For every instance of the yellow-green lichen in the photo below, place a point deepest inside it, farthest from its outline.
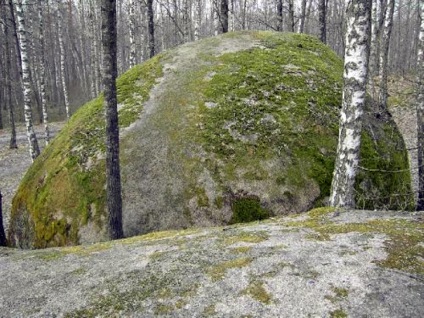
(257, 291)
(218, 271)
(246, 237)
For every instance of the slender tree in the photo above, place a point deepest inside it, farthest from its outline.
(322, 8)
(8, 79)
(420, 109)
(280, 15)
(63, 61)
(42, 73)
(355, 76)
(384, 56)
(110, 71)
(26, 81)
(151, 27)
(198, 19)
(132, 33)
(3, 241)
(302, 17)
(223, 16)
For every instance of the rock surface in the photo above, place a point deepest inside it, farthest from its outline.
(309, 265)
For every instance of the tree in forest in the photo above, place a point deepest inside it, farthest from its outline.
(63, 60)
(302, 17)
(3, 241)
(384, 56)
(132, 33)
(110, 71)
(42, 73)
(420, 109)
(151, 28)
(322, 8)
(26, 81)
(223, 17)
(354, 87)
(7, 75)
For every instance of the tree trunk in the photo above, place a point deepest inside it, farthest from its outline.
(420, 110)
(322, 8)
(384, 55)
(198, 19)
(354, 90)
(151, 28)
(280, 15)
(43, 73)
(62, 61)
(132, 33)
(223, 17)
(110, 71)
(26, 82)
(302, 17)
(3, 241)
(291, 15)
(374, 47)
(8, 78)
(231, 18)
(215, 16)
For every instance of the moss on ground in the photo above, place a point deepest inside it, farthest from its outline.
(403, 244)
(256, 290)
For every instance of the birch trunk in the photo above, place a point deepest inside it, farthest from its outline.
(198, 20)
(302, 17)
(34, 150)
(354, 90)
(384, 55)
(132, 33)
(62, 61)
(375, 34)
(231, 17)
(215, 17)
(43, 73)
(93, 56)
(110, 71)
(420, 110)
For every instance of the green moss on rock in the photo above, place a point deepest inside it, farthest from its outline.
(260, 119)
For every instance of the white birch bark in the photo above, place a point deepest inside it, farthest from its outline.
(355, 76)
(231, 17)
(301, 25)
(43, 73)
(132, 33)
(384, 56)
(34, 150)
(375, 31)
(62, 61)
(198, 19)
(93, 55)
(420, 109)
(215, 17)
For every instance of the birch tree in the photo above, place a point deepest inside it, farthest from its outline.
(110, 71)
(132, 33)
(42, 73)
(384, 55)
(62, 61)
(420, 109)
(34, 150)
(354, 87)
(198, 19)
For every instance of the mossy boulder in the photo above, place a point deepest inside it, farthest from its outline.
(209, 131)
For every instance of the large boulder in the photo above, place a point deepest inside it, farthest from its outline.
(227, 129)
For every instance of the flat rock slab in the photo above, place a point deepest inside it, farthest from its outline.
(288, 267)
